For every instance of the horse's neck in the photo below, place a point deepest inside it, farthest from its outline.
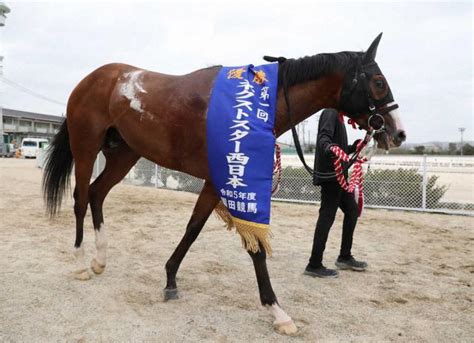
(306, 99)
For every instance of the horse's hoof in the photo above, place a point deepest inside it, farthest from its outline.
(97, 267)
(170, 294)
(286, 328)
(82, 275)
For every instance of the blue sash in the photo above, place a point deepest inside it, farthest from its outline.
(240, 145)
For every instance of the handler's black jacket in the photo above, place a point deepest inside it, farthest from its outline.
(330, 132)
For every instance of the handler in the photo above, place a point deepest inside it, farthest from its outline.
(332, 132)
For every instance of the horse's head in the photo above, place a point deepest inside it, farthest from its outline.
(366, 98)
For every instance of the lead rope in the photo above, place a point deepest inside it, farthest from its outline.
(356, 182)
(277, 168)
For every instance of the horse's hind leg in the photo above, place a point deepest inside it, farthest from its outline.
(84, 164)
(207, 200)
(119, 160)
(86, 136)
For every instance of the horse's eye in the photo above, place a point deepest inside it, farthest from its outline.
(380, 84)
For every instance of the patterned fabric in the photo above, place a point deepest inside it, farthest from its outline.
(240, 143)
(356, 183)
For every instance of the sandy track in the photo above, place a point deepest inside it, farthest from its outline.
(419, 286)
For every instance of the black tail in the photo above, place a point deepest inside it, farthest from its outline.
(57, 170)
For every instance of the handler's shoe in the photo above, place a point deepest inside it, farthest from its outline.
(321, 272)
(351, 263)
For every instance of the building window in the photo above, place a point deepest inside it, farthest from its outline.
(9, 124)
(25, 125)
(41, 127)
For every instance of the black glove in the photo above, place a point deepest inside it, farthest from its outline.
(353, 147)
(328, 151)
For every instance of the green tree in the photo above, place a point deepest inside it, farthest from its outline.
(468, 149)
(452, 148)
(382, 187)
(420, 149)
(401, 188)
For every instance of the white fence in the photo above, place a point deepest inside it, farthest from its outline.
(422, 183)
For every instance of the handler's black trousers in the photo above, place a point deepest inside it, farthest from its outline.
(332, 197)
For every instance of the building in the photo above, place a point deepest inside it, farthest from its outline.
(20, 124)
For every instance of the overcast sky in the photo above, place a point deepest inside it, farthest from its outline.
(425, 53)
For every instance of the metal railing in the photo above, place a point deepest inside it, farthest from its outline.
(420, 183)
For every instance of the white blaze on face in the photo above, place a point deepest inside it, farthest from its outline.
(395, 114)
(279, 314)
(101, 245)
(131, 89)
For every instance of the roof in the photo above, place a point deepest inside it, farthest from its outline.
(7, 112)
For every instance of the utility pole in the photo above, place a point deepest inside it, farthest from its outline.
(3, 10)
(462, 129)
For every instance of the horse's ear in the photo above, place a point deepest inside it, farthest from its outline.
(274, 59)
(372, 51)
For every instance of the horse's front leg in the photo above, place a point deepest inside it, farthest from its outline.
(283, 323)
(207, 200)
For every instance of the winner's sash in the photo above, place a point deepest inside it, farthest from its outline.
(240, 146)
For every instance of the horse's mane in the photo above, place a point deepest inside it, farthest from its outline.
(298, 70)
(313, 67)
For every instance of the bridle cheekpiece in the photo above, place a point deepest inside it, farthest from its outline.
(360, 76)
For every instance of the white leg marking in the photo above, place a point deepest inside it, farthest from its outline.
(283, 324)
(81, 269)
(279, 314)
(79, 255)
(101, 245)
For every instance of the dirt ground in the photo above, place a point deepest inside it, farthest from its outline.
(419, 286)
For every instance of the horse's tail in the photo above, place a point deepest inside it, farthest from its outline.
(57, 170)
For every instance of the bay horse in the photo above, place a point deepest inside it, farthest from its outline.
(127, 113)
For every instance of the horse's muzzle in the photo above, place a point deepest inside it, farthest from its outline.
(399, 137)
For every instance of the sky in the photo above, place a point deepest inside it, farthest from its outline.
(425, 53)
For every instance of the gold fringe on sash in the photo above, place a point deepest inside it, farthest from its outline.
(251, 233)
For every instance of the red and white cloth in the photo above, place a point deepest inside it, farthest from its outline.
(277, 169)
(355, 184)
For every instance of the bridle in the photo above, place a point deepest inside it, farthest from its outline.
(375, 112)
(360, 76)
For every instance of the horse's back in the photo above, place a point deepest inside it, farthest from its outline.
(161, 117)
